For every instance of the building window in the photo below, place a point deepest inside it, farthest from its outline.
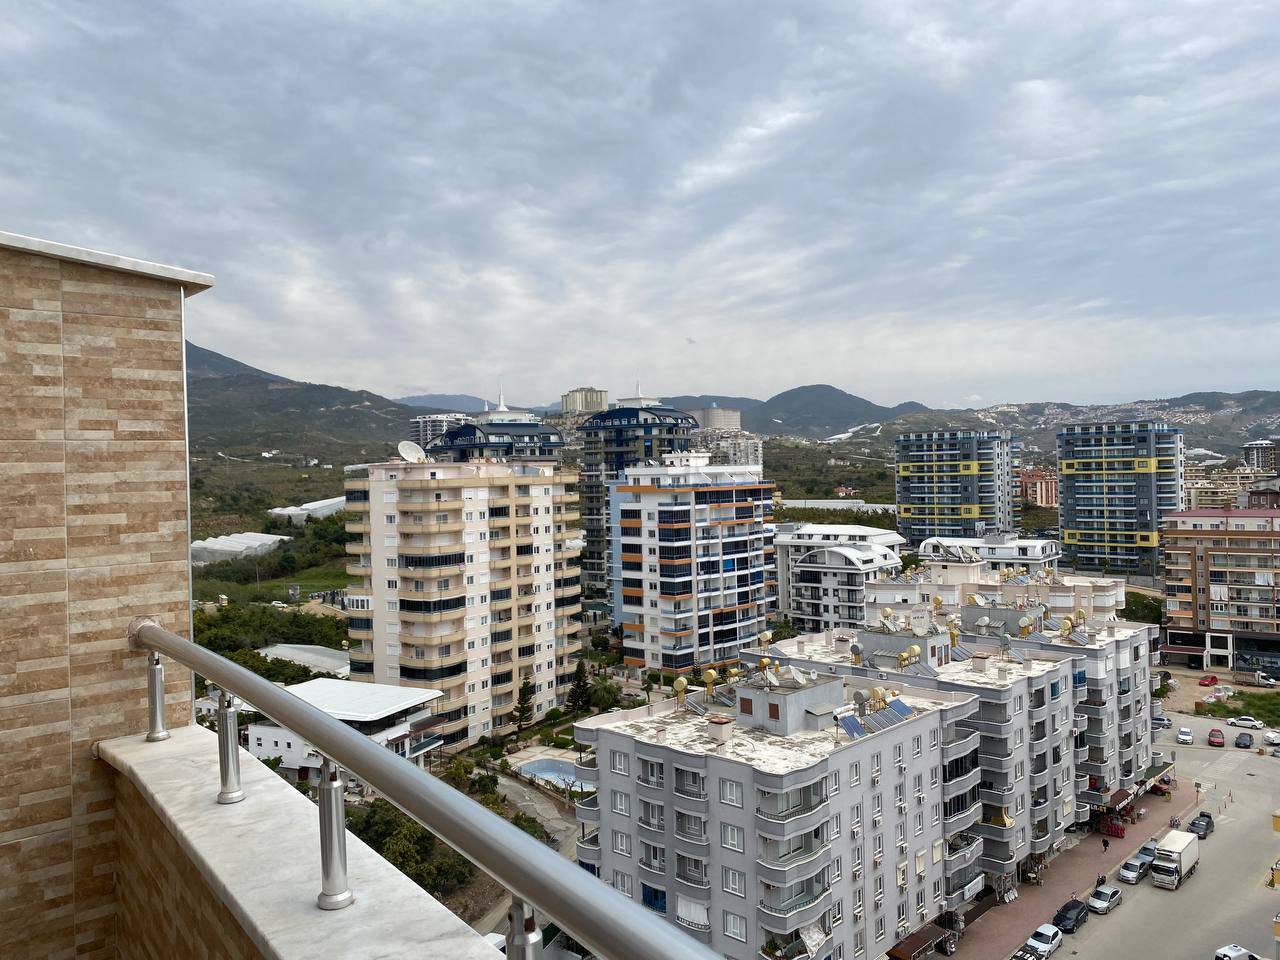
(653, 898)
(773, 711)
(622, 882)
(735, 927)
(731, 792)
(735, 881)
(744, 706)
(731, 837)
(620, 762)
(621, 843)
(621, 803)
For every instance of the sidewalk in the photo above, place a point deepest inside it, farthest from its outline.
(1006, 926)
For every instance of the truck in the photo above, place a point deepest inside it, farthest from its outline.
(1177, 855)
(1253, 678)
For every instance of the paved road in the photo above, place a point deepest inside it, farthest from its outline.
(1227, 900)
(563, 826)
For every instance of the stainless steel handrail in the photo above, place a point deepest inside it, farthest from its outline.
(597, 916)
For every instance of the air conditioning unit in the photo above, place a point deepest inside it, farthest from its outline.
(857, 915)
(877, 861)
(880, 900)
(902, 806)
(924, 910)
(901, 764)
(875, 821)
(875, 779)
(902, 846)
(854, 829)
(903, 929)
(919, 798)
(855, 873)
(920, 876)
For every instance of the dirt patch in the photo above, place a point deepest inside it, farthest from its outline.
(1183, 700)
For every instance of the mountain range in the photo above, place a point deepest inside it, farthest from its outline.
(239, 407)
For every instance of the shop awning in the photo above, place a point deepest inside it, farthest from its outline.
(919, 944)
(1120, 799)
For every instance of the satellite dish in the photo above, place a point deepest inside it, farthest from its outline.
(411, 452)
(984, 621)
(919, 629)
(980, 600)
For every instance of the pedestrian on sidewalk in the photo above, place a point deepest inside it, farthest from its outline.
(1106, 844)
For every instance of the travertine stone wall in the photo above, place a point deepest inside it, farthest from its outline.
(158, 880)
(93, 532)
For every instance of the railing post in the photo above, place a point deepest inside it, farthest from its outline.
(334, 891)
(229, 750)
(155, 698)
(524, 939)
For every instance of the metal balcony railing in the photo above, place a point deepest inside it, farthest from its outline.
(593, 913)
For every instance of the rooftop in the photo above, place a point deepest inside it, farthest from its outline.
(191, 281)
(768, 752)
(323, 659)
(1223, 512)
(360, 702)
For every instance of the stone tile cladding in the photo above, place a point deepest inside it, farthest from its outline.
(93, 532)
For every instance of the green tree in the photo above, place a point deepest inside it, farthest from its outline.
(605, 694)
(523, 711)
(784, 629)
(651, 679)
(579, 698)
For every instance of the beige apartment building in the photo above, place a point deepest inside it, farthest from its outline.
(469, 583)
(1222, 603)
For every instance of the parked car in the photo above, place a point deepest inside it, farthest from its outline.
(1208, 680)
(1146, 852)
(1217, 738)
(1200, 827)
(1185, 735)
(1161, 723)
(1249, 722)
(1271, 738)
(1045, 940)
(1132, 871)
(1071, 916)
(1244, 741)
(1104, 899)
(1233, 951)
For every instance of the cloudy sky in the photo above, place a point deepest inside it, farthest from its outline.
(957, 203)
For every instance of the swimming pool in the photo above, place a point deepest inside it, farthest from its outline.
(558, 773)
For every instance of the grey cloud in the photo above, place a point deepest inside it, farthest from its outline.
(921, 200)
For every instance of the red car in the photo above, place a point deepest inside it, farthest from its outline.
(1208, 680)
(1216, 739)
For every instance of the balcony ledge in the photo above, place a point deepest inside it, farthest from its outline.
(261, 858)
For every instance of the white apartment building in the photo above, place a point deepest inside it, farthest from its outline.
(429, 427)
(1001, 551)
(398, 718)
(1063, 730)
(951, 581)
(468, 584)
(718, 418)
(823, 570)
(787, 816)
(583, 400)
(691, 570)
(729, 446)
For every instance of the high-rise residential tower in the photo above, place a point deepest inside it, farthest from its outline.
(956, 483)
(469, 584)
(429, 427)
(614, 440)
(1260, 454)
(692, 575)
(1117, 481)
(583, 400)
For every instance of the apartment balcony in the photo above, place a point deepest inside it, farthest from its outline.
(960, 852)
(784, 916)
(963, 744)
(962, 784)
(1095, 709)
(996, 761)
(1001, 796)
(588, 848)
(782, 871)
(956, 898)
(587, 810)
(585, 768)
(960, 822)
